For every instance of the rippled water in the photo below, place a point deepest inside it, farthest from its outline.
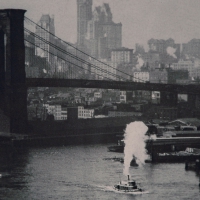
(80, 172)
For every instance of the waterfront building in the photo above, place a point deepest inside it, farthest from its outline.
(32, 72)
(158, 76)
(97, 95)
(122, 96)
(166, 113)
(193, 67)
(64, 114)
(155, 95)
(141, 77)
(184, 81)
(85, 113)
(197, 63)
(157, 45)
(104, 69)
(110, 96)
(142, 96)
(140, 107)
(151, 59)
(174, 75)
(192, 48)
(90, 100)
(126, 97)
(195, 73)
(125, 71)
(139, 49)
(122, 55)
(183, 65)
(57, 111)
(123, 114)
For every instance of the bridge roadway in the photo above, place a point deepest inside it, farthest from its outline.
(104, 84)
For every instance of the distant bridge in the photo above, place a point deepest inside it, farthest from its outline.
(61, 65)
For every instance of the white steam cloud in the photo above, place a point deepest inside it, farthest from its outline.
(140, 62)
(59, 68)
(171, 51)
(134, 139)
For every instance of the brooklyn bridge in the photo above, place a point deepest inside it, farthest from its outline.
(61, 68)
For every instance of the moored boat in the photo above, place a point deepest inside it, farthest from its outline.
(190, 154)
(117, 148)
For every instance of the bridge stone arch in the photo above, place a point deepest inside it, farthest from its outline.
(13, 91)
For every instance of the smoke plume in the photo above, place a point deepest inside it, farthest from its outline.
(171, 51)
(134, 139)
(140, 62)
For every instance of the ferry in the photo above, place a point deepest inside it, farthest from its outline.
(127, 186)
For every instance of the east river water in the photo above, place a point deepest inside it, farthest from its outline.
(83, 172)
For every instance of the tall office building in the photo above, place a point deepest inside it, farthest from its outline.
(122, 55)
(191, 49)
(84, 14)
(96, 30)
(46, 22)
(54, 59)
(103, 34)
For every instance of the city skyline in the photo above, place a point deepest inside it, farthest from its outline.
(141, 21)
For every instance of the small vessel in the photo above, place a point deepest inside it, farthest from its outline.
(127, 186)
(121, 160)
(190, 154)
(117, 148)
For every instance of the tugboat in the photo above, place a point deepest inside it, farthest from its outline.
(127, 186)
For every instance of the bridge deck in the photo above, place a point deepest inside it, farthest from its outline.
(81, 83)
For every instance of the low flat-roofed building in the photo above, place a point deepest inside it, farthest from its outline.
(123, 114)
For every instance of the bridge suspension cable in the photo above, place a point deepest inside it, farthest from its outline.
(64, 59)
(78, 58)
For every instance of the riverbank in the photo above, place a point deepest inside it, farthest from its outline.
(60, 140)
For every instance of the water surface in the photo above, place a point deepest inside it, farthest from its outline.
(80, 172)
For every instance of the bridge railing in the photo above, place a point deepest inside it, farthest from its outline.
(47, 56)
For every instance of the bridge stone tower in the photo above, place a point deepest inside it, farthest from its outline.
(13, 91)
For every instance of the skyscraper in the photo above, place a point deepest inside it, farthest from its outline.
(84, 14)
(54, 58)
(96, 30)
(45, 23)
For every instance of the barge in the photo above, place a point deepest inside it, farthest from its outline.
(190, 154)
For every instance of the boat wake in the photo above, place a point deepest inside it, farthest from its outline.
(4, 174)
(112, 189)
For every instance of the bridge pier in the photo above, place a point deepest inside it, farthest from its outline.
(12, 69)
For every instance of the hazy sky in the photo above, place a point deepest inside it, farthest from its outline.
(141, 19)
